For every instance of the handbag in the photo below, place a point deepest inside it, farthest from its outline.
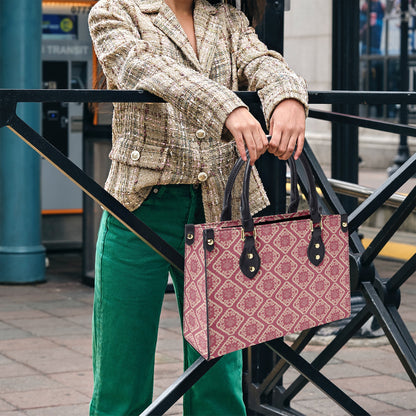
(252, 280)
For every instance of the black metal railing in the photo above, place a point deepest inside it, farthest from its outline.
(382, 298)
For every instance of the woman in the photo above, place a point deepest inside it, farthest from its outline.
(170, 163)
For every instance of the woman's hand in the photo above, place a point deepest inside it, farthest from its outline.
(287, 129)
(247, 132)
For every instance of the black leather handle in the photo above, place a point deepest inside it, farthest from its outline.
(294, 193)
(246, 218)
(226, 206)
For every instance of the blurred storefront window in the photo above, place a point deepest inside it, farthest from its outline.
(380, 32)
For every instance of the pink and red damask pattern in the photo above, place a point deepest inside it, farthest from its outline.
(225, 311)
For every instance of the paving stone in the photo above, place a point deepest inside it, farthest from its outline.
(391, 365)
(4, 360)
(26, 383)
(30, 313)
(169, 344)
(9, 291)
(169, 334)
(403, 399)
(80, 319)
(81, 381)
(170, 322)
(337, 371)
(15, 369)
(163, 358)
(363, 355)
(44, 398)
(28, 343)
(168, 370)
(321, 407)
(74, 410)
(304, 408)
(5, 407)
(81, 344)
(374, 384)
(53, 360)
(14, 333)
(44, 327)
(375, 407)
(63, 307)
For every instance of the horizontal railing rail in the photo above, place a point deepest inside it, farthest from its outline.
(88, 95)
(380, 296)
(360, 191)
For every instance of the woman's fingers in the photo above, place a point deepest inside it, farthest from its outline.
(287, 128)
(247, 133)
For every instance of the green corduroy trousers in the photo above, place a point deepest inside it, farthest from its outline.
(130, 282)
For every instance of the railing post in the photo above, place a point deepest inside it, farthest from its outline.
(22, 257)
(345, 62)
(403, 152)
(273, 175)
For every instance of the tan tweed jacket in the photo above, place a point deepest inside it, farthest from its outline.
(141, 45)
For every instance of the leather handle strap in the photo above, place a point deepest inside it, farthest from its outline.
(246, 218)
(294, 193)
(226, 207)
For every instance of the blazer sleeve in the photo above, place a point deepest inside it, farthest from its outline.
(130, 63)
(264, 70)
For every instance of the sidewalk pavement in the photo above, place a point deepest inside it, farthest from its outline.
(45, 352)
(45, 349)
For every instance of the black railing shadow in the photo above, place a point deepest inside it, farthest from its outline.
(382, 297)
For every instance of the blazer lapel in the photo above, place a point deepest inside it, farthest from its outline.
(167, 22)
(206, 32)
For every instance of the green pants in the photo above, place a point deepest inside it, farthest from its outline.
(130, 283)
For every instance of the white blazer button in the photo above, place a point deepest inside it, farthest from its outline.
(200, 134)
(135, 155)
(202, 176)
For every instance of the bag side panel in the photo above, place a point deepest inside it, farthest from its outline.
(195, 298)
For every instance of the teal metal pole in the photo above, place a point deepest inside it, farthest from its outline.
(22, 256)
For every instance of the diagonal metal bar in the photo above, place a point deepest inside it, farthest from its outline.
(318, 379)
(401, 326)
(173, 393)
(329, 351)
(282, 366)
(277, 372)
(95, 191)
(401, 275)
(368, 123)
(388, 230)
(404, 352)
(329, 195)
(372, 203)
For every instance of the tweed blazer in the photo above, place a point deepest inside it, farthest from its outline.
(141, 45)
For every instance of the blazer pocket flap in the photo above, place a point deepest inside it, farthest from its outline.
(147, 156)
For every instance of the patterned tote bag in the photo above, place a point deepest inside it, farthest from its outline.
(255, 279)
